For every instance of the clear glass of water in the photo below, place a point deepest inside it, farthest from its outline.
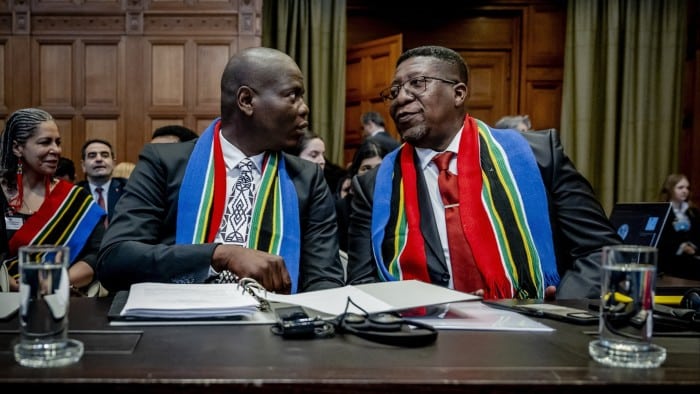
(44, 291)
(626, 309)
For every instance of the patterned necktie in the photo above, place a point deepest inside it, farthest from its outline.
(466, 276)
(236, 219)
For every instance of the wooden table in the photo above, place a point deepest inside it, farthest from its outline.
(249, 359)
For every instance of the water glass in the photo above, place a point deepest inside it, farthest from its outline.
(626, 309)
(43, 312)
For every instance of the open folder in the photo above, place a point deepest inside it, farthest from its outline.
(161, 302)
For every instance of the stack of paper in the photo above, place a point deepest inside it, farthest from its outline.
(188, 301)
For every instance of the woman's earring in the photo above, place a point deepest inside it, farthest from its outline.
(19, 166)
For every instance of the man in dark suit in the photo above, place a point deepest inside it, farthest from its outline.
(98, 164)
(179, 219)
(374, 129)
(526, 223)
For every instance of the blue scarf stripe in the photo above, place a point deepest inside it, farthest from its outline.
(382, 211)
(534, 198)
(189, 209)
(86, 224)
(291, 232)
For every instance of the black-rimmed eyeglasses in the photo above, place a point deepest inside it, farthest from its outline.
(413, 86)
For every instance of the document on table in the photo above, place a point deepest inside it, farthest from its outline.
(170, 302)
(373, 297)
(478, 316)
(187, 301)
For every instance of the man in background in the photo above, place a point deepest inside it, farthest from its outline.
(172, 133)
(65, 169)
(98, 164)
(374, 129)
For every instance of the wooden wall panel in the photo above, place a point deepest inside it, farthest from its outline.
(543, 109)
(167, 70)
(370, 68)
(70, 141)
(55, 75)
(210, 60)
(201, 124)
(545, 23)
(118, 69)
(104, 129)
(489, 84)
(102, 75)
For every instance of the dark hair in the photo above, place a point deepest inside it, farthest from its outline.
(65, 167)
(367, 150)
(95, 141)
(374, 117)
(441, 53)
(304, 142)
(181, 132)
(20, 126)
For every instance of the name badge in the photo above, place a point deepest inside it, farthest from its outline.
(13, 222)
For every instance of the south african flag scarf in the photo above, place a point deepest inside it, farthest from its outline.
(274, 226)
(507, 228)
(67, 217)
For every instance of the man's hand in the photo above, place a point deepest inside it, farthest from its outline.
(268, 269)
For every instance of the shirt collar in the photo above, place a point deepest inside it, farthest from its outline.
(233, 155)
(426, 155)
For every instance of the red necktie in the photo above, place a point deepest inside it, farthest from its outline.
(100, 198)
(465, 275)
(101, 201)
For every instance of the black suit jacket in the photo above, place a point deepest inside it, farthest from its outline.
(115, 192)
(385, 141)
(579, 224)
(139, 244)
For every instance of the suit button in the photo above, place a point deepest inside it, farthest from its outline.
(445, 278)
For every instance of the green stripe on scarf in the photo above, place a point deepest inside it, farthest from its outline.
(275, 223)
(508, 227)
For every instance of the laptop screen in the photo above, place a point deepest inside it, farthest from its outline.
(640, 223)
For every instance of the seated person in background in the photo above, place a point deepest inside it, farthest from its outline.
(517, 220)
(518, 122)
(66, 169)
(311, 148)
(373, 129)
(39, 208)
(98, 166)
(172, 133)
(366, 157)
(123, 169)
(678, 245)
(177, 225)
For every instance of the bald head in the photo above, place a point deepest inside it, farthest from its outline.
(257, 68)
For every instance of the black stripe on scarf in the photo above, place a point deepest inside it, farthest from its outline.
(388, 246)
(266, 225)
(513, 235)
(76, 208)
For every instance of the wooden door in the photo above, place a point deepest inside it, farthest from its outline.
(370, 68)
(491, 88)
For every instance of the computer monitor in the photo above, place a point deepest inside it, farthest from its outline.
(640, 223)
